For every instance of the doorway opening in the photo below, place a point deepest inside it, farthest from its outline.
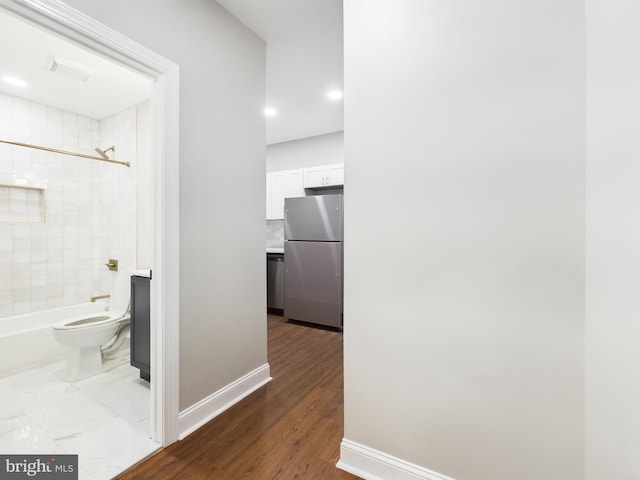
(82, 30)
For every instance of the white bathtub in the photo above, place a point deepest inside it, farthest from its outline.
(27, 340)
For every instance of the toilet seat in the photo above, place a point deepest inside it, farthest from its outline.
(119, 306)
(89, 321)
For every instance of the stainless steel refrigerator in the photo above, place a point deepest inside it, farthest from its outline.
(313, 259)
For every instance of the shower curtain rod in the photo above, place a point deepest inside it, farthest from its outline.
(64, 152)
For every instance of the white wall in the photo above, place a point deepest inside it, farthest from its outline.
(464, 283)
(222, 187)
(613, 240)
(306, 152)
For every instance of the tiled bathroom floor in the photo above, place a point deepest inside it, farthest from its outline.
(104, 419)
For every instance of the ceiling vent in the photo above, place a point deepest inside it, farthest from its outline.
(70, 69)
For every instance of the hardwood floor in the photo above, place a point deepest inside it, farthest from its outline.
(289, 429)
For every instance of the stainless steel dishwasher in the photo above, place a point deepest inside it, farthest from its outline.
(275, 280)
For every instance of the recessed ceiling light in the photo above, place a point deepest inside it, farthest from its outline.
(270, 112)
(16, 82)
(334, 94)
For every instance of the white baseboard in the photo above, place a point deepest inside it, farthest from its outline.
(197, 415)
(371, 464)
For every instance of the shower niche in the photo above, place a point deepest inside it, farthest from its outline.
(22, 204)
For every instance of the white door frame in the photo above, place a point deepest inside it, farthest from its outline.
(61, 19)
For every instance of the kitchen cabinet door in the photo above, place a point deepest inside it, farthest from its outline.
(336, 174)
(315, 176)
(324, 176)
(279, 185)
(283, 184)
(296, 184)
(268, 190)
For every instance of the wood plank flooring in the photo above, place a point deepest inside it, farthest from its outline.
(289, 429)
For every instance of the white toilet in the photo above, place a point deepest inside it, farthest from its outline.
(85, 334)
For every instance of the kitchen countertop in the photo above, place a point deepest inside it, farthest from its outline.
(275, 249)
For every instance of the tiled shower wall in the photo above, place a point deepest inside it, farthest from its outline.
(90, 206)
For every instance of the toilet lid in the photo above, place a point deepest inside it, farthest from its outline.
(121, 292)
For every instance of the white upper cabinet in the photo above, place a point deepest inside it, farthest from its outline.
(281, 185)
(336, 174)
(268, 195)
(314, 176)
(324, 176)
(291, 183)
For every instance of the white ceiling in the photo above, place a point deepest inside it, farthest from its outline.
(304, 62)
(25, 52)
